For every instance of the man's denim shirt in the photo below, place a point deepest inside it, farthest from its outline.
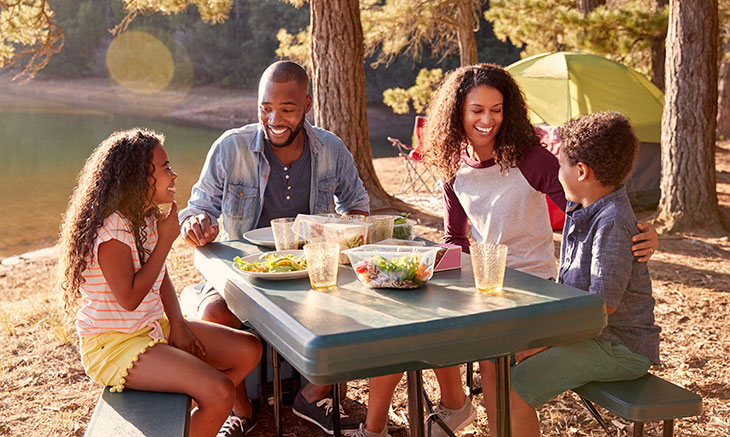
(231, 187)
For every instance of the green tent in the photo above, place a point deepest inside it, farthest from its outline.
(561, 86)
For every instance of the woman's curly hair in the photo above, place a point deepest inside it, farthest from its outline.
(114, 178)
(444, 136)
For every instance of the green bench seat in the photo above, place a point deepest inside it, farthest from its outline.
(133, 413)
(646, 399)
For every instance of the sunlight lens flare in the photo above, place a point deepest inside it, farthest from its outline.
(139, 62)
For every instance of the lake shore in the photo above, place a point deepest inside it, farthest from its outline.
(203, 106)
(206, 107)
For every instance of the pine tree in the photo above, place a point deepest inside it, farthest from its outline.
(688, 183)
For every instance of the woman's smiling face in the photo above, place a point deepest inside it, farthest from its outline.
(482, 116)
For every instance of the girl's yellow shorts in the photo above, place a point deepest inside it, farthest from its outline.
(108, 357)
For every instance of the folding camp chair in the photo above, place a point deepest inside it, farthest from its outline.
(418, 177)
(549, 139)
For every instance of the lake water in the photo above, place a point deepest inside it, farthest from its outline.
(43, 148)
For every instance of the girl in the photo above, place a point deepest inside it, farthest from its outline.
(478, 137)
(114, 241)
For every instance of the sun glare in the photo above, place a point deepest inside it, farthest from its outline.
(139, 62)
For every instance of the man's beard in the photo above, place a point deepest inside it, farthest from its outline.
(292, 135)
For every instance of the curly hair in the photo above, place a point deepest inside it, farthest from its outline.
(604, 141)
(116, 177)
(444, 137)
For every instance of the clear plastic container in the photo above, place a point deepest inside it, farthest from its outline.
(403, 231)
(346, 233)
(381, 266)
(310, 228)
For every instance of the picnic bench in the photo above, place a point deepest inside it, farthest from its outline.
(134, 413)
(647, 399)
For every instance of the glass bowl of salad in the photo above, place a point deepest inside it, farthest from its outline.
(384, 266)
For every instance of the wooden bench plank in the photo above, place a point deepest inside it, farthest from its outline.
(133, 413)
(646, 399)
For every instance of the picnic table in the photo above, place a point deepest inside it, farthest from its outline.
(354, 332)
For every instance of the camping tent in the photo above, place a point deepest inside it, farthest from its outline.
(561, 86)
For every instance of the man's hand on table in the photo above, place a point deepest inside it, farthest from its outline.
(197, 230)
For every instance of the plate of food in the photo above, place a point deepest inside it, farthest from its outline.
(279, 265)
(261, 236)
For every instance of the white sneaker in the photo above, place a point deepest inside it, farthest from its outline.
(362, 432)
(454, 419)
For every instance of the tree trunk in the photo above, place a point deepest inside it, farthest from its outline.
(723, 102)
(587, 6)
(688, 184)
(467, 40)
(340, 104)
(658, 52)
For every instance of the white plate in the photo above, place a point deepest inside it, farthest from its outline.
(272, 276)
(262, 237)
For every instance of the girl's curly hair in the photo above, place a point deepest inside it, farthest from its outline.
(444, 136)
(114, 178)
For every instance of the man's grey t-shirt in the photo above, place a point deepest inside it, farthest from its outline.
(287, 191)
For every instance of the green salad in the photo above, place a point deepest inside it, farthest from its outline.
(273, 264)
(401, 229)
(406, 271)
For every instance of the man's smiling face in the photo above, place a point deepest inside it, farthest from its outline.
(282, 107)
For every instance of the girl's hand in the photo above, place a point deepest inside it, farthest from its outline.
(168, 227)
(183, 338)
(646, 242)
(522, 355)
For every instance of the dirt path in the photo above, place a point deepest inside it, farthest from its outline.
(44, 390)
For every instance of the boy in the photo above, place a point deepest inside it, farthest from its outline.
(596, 155)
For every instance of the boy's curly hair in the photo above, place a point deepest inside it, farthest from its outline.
(444, 136)
(605, 141)
(114, 178)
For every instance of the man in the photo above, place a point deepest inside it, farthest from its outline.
(279, 167)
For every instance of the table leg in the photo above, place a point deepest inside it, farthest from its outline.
(503, 388)
(415, 403)
(263, 375)
(336, 410)
(277, 392)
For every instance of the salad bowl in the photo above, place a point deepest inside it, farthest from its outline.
(384, 266)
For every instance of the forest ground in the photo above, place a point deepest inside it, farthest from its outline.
(44, 391)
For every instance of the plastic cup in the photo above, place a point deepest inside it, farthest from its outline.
(488, 262)
(381, 227)
(284, 236)
(322, 264)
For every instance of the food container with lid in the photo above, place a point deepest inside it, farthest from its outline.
(381, 266)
